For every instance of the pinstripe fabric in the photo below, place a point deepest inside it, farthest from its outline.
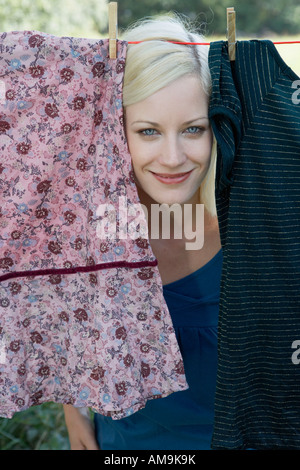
(257, 127)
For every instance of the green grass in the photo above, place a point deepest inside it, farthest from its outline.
(38, 428)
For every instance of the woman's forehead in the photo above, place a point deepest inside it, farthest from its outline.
(183, 101)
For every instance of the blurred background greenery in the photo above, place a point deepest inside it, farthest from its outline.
(89, 17)
(42, 427)
(270, 19)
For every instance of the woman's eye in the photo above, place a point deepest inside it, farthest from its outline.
(148, 132)
(194, 130)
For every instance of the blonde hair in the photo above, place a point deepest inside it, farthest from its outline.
(156, 62)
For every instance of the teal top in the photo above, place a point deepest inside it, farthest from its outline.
(183, 420)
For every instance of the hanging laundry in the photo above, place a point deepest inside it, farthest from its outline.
(257, 125)
(76, 307)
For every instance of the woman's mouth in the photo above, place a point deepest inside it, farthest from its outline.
(167, 178)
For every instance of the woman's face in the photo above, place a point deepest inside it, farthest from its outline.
(170, 141)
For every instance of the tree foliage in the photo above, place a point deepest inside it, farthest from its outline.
(59, 17)
(89, 18)
(253, 16)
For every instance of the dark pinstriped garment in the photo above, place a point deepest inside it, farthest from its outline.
(257, 126)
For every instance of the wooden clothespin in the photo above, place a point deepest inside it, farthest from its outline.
(112, 29)
(231, 33)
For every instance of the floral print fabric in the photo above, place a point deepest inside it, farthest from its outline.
(82, 318)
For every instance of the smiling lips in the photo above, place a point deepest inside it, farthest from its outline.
(172, 179)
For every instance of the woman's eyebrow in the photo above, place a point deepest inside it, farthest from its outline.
(145, 122)
(196, 119)
(155, 124)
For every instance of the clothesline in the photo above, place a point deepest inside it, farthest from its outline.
(208, 43)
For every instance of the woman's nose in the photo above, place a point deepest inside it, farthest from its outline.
(172, 153)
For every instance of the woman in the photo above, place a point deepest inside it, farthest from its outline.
(165, 97)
